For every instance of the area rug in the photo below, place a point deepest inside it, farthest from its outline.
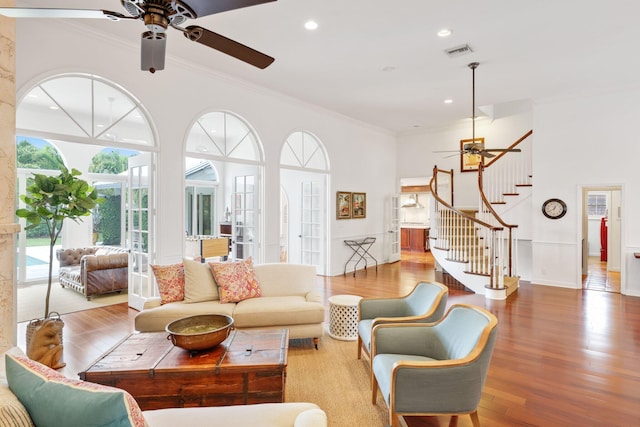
(333, 378)
(30, 301)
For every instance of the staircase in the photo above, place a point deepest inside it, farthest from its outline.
(478, 248)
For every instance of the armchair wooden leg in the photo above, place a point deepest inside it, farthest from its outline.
(359, 347)
(454, 421)
(474, 419)
(393, 419)
(374, 389)
(315, 341)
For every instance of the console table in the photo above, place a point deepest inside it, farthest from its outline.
(360, 253)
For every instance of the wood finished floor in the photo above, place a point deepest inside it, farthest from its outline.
(563, 357)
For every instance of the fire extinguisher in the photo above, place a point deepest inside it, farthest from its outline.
(603, 239)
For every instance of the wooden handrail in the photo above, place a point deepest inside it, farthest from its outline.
(434, 192)
(495, 159)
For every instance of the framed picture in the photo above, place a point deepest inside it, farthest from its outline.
(343, 205)
(358, 205)
(469, 162)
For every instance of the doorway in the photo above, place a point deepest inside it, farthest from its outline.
(601, 238)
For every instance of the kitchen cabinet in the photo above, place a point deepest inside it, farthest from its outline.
(414, 239)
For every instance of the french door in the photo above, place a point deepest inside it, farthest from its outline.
(140, 229)
(393, 228)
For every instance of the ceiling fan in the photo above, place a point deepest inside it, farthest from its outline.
(157, 16)
(476, 145)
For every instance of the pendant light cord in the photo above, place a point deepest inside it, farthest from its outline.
(473, 67)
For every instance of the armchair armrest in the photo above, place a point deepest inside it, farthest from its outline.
(104, 262)
(418, 339)
(371, 308)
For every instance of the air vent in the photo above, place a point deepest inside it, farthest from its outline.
(464, 49)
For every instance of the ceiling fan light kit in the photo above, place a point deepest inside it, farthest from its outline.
(157, 16)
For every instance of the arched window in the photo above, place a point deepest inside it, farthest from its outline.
(230, 146)
(304, 168)
(84, 106)
(302, 149)
(92, 123)
(223, 134)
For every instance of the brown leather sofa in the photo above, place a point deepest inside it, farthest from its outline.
(94, 270)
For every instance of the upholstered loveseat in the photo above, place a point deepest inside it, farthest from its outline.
(287, 298)
(32, 394)
(94, 270)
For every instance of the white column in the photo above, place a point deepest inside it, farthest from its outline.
(8, 227)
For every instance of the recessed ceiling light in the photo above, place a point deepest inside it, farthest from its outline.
(53, 107)
(448, 101)
(445, 32)
(311, 25)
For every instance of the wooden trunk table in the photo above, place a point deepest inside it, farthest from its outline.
(248, 367)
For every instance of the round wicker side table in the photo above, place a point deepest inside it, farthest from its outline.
(343, 317)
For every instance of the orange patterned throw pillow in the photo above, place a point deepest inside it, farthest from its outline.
(170, 280)
(237, 280)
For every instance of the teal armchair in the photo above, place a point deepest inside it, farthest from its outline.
(425, 303)
(434, 369)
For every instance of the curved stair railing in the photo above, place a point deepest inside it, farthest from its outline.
(484, 241)
(465, 238)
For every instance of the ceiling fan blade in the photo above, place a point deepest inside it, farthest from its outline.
(484, 153)
(503, 150)
(27, 12)
(208, 7)
(153, 51)
(228, 46)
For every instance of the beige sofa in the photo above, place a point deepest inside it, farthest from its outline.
(94, 270)
(289, 299)
(291, 414)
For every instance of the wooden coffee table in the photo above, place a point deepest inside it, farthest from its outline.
(248, 367)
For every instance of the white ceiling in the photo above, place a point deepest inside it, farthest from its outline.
(528, 51)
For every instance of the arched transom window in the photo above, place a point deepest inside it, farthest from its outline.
(81, 107)
(223, 134)
(302, 149)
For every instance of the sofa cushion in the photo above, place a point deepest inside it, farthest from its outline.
(157, 318)
(170, 279)
(199, 284)
(53, 399)
(279, 279)
(237, 280)
(277, 311)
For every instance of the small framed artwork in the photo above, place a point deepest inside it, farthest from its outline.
(358, 205)
(469, 161)
(343, 205)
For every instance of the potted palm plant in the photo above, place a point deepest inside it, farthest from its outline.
(51, 200)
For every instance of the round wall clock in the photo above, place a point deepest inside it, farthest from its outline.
(554, 208)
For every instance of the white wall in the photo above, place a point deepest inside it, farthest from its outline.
(362, 157)
(586, 141)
